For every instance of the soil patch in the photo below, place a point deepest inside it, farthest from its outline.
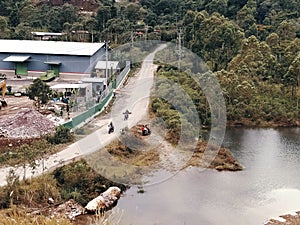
(289, 220)
(222, 161)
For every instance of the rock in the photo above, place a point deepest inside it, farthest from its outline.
(50, 201)
(104, 201)
(17, 94)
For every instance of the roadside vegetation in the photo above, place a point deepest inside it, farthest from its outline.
(27, 200)
(36, 149)
(252, 46)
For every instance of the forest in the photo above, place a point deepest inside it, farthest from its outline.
(252, 46)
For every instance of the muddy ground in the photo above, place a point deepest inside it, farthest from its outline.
(289, 220)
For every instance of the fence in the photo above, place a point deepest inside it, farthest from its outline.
(87, 115)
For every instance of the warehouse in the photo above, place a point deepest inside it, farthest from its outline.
(68, 60)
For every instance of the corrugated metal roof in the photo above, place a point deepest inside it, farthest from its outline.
(93, 79)
(62, 86)
(110, 64)
(53, 62)
(16, 58)
(47, 33)
(49, 47)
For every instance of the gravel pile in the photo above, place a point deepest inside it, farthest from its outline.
(27, 123)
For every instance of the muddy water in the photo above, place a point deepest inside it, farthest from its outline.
(269, 186)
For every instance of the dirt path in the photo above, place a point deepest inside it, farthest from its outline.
(135, 96)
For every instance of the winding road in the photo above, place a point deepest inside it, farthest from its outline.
(134, 96)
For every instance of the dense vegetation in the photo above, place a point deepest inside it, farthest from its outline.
(76, 181)
(252, 45)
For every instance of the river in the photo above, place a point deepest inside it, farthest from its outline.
(269, 186)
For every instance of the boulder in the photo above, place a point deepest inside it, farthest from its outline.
(104, 201)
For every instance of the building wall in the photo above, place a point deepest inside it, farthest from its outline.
(70, 65)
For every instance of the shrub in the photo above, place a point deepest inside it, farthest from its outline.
(62, 135)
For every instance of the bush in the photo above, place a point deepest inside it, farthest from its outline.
(62, 135)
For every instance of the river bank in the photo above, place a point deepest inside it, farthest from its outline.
(289, 219)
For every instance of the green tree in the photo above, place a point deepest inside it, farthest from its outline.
(292, 77)
(39, 92)
(102, 16)
(219, 6)
(216, 39)
(134, 12)
(23, 31)
(4, 30)
(255, 59)
(245, 18)
(286, 30)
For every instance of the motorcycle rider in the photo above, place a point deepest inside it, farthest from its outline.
(111, 128)
(126, 114)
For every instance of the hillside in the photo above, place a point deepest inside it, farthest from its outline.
(252, 46)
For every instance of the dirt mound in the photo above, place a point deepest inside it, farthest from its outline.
(26, 123)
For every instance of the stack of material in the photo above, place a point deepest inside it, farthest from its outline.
(27, 123)
(104, 201)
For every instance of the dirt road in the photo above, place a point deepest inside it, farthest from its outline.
(135, 97)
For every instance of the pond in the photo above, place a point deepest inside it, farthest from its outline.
(269, 186)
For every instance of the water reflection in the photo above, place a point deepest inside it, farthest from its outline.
(269, 186)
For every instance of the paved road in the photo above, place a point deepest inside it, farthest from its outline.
(134, 96)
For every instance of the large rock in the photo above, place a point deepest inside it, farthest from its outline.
(104, 201)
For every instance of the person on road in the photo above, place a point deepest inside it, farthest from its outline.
(111, 128)
(126, 114)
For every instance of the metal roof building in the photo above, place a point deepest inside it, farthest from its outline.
(70, 60)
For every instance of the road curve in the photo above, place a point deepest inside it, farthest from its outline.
(134, 96)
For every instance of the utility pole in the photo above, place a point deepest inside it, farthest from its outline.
(106, 61)
(131, 37)
(179, 52)
(146, 32)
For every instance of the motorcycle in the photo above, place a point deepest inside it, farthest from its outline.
(126, 114)
(145, 130)
(111, 128)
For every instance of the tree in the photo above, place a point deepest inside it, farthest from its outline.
(102, 16)
(23, 31)
(286, 30)
(219, 6)
(134, 12)
(292, 77)
(39, 92)
(245, 18)
(216, 39)
(255, 59)
(3, 27)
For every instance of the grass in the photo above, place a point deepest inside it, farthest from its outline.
(18, 215)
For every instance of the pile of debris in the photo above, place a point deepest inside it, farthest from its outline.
(27, 123)
(72, 210)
